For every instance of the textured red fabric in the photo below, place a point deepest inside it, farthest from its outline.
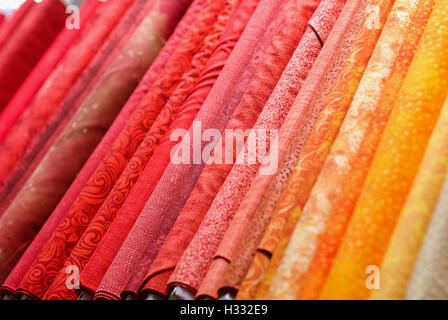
(143, 231)
(15, 277)
(243, 118)
(25, 94)
(55, 89)
(14, 21)
(172, 110)
(236, 27)
(194, 263)
(103, 256)
(2, 21)
(27, 44)
(61, 163)
(285, 93)
(78, 93)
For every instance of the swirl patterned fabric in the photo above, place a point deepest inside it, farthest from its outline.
(89, 124)
(144, 228)
(289, 85)
(155, 168)
(318, 145)
(350, 188)
(119, 192)
(96, 67)
(388, 183)
(345, 150)
(196, 259)
(311, 89)
(177, 240)
(23, 49)
(90, 283)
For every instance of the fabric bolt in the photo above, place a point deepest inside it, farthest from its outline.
(429, 276)
(345, 151)
(198, 256)
(243, 118)
(156, 278)
(350, 189)
(24, 49)
(91, 121)
(11, 284)
(90, 282)
(321, 139)
(395, 165)
(43, 200)
(165, 190)
(409, 233)
(13, 22)
(53, 91)
(325, 65)
(161, 158)
(25, 94)
(124, 184)
(331, 111)
(285, 92)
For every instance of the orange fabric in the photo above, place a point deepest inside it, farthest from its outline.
(395, 165)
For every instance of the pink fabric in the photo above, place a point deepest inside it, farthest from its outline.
(146, 226)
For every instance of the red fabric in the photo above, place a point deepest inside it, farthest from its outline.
(124, 184)
(285, 93)
(2, 20)
(27, 44)
(194, 263)
(106, 99)
(103, 256)
(25, 94)
(144, 230)
(14, 21)
(55, 89)
(123, 30)
(191, 107)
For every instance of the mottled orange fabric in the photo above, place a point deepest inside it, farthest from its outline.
(395, 165)
(318, 145)
(356, 142)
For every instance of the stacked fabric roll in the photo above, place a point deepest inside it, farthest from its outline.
(224, 149)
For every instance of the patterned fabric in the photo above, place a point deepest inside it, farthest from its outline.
(285, 92)
(146, 226)
(350, 188)
(197, 258)
(119, 192)
(395, 165)
(358, 124)
(116, 84)
(325, 64)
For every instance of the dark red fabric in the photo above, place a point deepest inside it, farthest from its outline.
(27, 44)
(25, 94)
(84, 85)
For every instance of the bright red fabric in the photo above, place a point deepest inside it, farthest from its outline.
(25, 94)
(26, 45)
